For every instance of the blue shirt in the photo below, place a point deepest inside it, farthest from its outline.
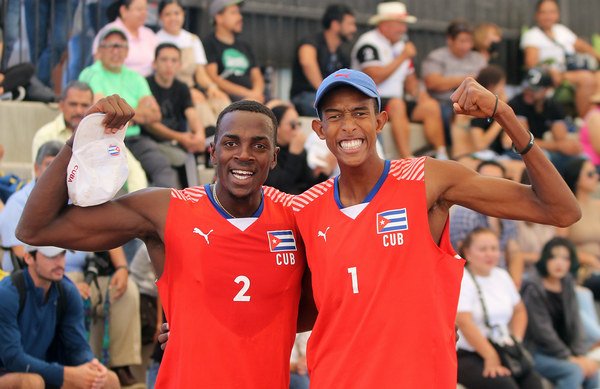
(9, 218)
(24, 341)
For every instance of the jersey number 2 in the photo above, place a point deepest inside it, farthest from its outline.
(241, 295)
(354, 275)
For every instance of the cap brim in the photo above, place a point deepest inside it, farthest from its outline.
(48, 251)
(343, 81)
(376, 19)
(91, 128)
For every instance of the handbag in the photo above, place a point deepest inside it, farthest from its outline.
(514, 357)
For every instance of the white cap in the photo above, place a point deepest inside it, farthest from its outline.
(391, 10)
(98, 166)
(48, 251)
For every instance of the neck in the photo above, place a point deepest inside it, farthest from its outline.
(479, 272)
(116, 69)
(40, 282)
(173, 32)
(583, 197)
(162, 81)
(552, 284)
(356, 182)
(236, 206)
(224, 35)
(332, 39)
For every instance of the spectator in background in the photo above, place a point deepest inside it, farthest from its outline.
(231, 62)
(321, 54)
(446, 67)
(292, 174)
(208, 99)
(109, 75)
(298, 369)
(489, 307)
(486, 40)
(76, 97)
(582, 178)
(47, 32)
(541, 114)
(554, 331)
(554, 45)
(589, 133)
(42, 342)
(465, 220)
(129, 16)
(385, 54)
(171, 134)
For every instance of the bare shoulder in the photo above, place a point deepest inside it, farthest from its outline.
(150, 203)
(441, 177)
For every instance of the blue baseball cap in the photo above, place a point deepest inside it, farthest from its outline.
(354, 78)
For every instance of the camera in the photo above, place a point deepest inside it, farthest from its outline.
(95, 265)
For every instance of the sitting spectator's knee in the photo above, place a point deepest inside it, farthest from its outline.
(396, 106)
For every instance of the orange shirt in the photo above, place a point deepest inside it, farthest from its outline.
(230, 295)
(385, 291)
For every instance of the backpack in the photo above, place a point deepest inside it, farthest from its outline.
(9, 184)
(18, 280)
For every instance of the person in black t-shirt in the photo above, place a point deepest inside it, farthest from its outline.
(177, 110)
(541, 114)
(231, 62)
(321, 54)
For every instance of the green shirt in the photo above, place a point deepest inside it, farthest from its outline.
(128, 84)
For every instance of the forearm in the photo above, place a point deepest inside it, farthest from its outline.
(475, 338)
(117, 257)
(146, 115)
(439, 83)
(549, 190)
(232, 89)
(381, 73)
(518, 323)
(313, 74)
(202, 78)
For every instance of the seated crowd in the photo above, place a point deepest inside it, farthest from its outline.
(525, 285)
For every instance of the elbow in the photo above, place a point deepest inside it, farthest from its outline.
(25, 234)
(569, 216)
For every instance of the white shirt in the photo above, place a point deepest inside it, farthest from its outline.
(500, 295)
(373, 49)
(551, 50)
(184, 40)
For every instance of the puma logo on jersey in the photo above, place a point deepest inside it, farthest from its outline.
(205, 236)
(322, 234)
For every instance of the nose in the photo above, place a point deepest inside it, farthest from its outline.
(245, 153)
(348, 123)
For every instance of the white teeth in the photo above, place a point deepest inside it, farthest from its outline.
(241, 174)
(351, 144)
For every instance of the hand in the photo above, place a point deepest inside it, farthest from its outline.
(81, 377)
(193, 143)
(473, 99)
(117, 111)
(84, 290)
(492, 367)
(410, 51)
(214, 92)
(588, 366)
(569, 147)
(118, 282)
(100, 381)
(164, 335)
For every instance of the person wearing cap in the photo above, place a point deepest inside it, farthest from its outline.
(542, 115)
(75, 98)
(444, 69)
(384, 276)
(40, 346)
(589, 133)
(228, 257)
(321, 54)
(109, 75)
(129, 16)
(385, 54)
(231, 61)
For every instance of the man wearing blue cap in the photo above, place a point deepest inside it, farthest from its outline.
(385, 277)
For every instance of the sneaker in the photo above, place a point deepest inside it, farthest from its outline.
(125, 376)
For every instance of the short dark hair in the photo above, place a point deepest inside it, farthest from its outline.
(542, 264)
(166, 45)
(335, 12)
(77, 85)
(540, 2)
(572, 171)
(48, 149)
(485, 163)
(164, 3)
(279, 111)
(491, 75)
(247, 106)
(458, 26)
(114, 9)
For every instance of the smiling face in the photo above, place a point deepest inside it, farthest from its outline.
(349, 125)
(483, 253)
(588, 179)
(112, 52)
(244, 152)
(547, 15)
(172, 18)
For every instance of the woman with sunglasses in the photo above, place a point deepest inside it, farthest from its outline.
(292, 173)
(582, 178)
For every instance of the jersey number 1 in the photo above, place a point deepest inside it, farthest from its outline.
(241, 295)
(354, 275)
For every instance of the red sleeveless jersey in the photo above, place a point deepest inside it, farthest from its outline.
(385, 291)
(230, 296)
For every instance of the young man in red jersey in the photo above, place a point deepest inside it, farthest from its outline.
(228, 256)
(384, 275)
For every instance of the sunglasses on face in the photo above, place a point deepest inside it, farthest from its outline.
(111, 46)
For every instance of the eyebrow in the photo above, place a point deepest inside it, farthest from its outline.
(359, 108)
(254, 138)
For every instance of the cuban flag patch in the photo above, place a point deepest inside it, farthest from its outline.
(392, 220)
(282, 240)
(114, 150)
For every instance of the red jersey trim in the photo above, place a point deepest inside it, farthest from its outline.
(409, 169)
(193, 194)
(278, 197)
(302, 200)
